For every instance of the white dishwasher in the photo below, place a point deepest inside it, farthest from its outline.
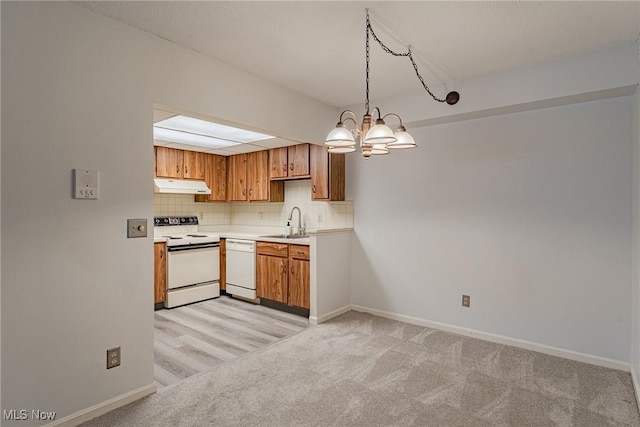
(241, 268)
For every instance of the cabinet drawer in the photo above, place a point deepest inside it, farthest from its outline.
(299, 252)
(273, 249)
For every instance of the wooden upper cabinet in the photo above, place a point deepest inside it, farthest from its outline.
(278, 163)
(237, 178)
(169, 162)
(289, 162)
(327, 174)
(215, 176)
(248, 179)
(194, 165)
(258, 176)
(180, 164)
(298, 156)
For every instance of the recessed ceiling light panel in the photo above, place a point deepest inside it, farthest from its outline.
(188, 138)
(209, 129)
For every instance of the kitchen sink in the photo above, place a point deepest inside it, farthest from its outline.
(287, 236)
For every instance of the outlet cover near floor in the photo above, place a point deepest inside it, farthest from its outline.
(113, 357)
(466, 301)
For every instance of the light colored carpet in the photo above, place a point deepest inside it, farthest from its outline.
(363, 370)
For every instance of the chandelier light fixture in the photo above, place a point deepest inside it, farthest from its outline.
(376, 138)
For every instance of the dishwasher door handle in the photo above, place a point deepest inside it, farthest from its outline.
(241, 245)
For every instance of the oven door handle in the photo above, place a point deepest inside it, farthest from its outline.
(191, 247)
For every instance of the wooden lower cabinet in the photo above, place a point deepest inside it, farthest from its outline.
(159, 272)
(223, 264)
(283, 273)
(271, 278)
(299, 283)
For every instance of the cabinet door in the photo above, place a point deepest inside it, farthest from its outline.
(327, 174)
(237, 177)
(298, 156)
(159, 272)
(194, 165)
(299, 273)
(278, 166)
(258, 175)
(216, 178)
(223, 264)
(319, 173)
(169, 162)
(272, 278)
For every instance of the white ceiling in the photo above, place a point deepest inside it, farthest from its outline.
(317, 48)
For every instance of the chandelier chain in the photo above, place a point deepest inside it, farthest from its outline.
(366, 103)
(388, 50)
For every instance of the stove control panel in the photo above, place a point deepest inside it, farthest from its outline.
(163, 221)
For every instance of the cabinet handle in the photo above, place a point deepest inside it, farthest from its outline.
(292, 272)
(251, 192)
(177, 169)
(244, 192)
(284, 167)
(186, 169)
(291, 166)
(314, 189)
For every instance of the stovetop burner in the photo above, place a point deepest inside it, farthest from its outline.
(181, 231)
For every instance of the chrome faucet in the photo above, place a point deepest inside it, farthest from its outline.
(301, 227)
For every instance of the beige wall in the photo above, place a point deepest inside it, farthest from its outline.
(528, 213)
(78, 91)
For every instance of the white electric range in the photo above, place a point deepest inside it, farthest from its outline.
(193, 260)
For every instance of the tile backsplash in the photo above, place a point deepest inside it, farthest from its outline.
(183, 205)
(316, 215)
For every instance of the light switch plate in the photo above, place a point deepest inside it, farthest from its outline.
(136, 228)
(85, 184)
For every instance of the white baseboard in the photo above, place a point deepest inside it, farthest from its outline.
(500, 339)
(636, 386)
(104, 407)
(330, 315)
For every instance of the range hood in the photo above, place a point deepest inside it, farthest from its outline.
(180, 186)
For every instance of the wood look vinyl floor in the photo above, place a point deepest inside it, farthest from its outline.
(197, 337)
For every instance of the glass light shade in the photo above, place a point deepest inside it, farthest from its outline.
(342, 149)
(374, 149)
(379, 134)
(340, 137)
(379, 149)
(404, 140)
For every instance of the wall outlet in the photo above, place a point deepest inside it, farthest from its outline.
(466, 301)
(260, 215)
(113, 357)
(319, 218)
